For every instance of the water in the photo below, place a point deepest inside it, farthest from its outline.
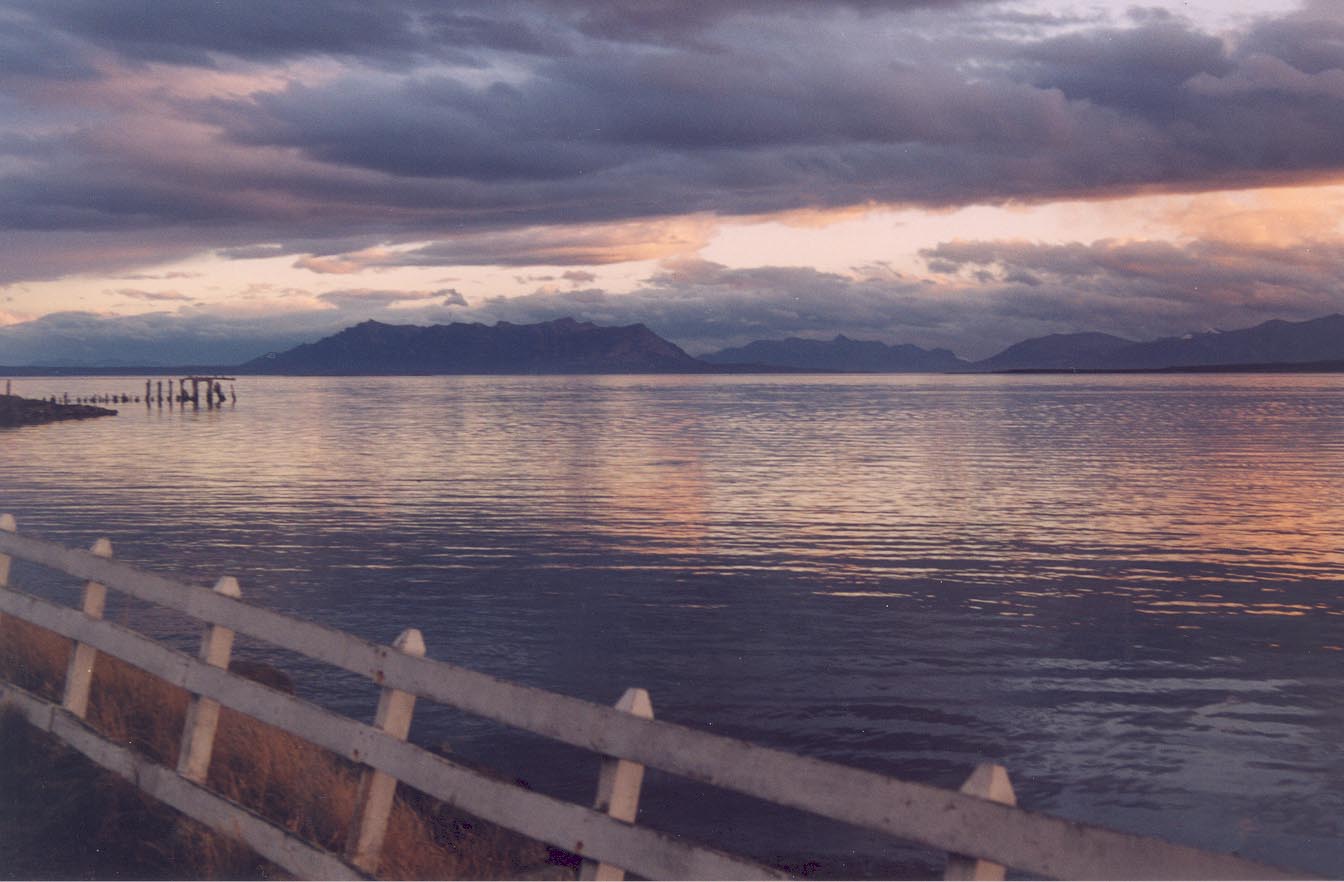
(1127, 590)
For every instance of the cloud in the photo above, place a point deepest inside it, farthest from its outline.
(978, 297)
(364, 297)
(1143, 289)
(705, 305)
(575, 134)
(189, 32)
(1138, 70)
(197, 32)
(532, 246)
(29, 50)
(147, 277)
(136, 294)
(268, 320)
(157, 338)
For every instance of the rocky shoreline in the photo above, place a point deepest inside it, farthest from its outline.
(17, 411)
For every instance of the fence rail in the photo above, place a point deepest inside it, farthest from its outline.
(979, 827)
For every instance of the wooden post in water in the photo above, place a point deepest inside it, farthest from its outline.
(373, 807)
(198, 733)
(988, 781)
(618, 785)
(79, 675)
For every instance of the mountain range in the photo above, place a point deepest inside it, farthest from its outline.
(563, 346)
(840, 354)
(1275, 342)
(566, 346)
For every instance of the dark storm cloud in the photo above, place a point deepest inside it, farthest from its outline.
(29, 50)
(670, 20)
(185, 31)
(1311, 41)
(197, 32)
(1138, 70)
(567, 113)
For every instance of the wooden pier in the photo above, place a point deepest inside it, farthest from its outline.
(160, 392)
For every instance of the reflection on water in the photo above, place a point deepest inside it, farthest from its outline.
(1126, 589)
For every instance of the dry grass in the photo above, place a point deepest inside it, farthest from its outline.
(296, 785)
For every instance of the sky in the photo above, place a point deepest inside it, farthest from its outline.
(203, 181)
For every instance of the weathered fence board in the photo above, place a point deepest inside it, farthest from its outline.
(373, 805)
(79, 671)
(945, 820)
(193, 800)
(7, 525)
(988, 781)
(581, 830)
(618, 785)
(198, 732)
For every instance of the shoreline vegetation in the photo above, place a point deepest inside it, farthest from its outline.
(62, 817)
(18, 411)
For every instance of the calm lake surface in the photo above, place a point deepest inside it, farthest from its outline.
(1129, 590)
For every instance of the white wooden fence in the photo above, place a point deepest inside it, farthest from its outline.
(980, 827)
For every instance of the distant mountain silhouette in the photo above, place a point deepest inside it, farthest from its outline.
(563, 346)
(840, 354)
(1273, 342)
(1270, 343)
(1056, 352)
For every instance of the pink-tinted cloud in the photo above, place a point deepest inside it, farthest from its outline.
(366, 298)
(585, 245)
(154, 296)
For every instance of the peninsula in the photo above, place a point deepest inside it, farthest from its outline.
(18, 411)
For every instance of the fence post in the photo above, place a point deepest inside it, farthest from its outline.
(618, 784)
(988, 781)
(373, 807)
(79, 675)
(8, 525)
(198, 732)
